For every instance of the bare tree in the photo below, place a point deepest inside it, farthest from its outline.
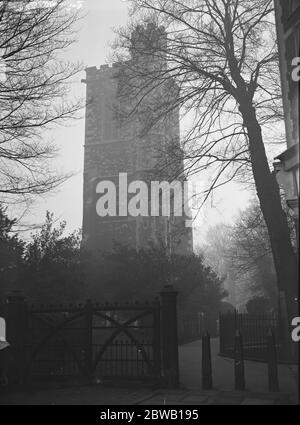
(220, 58)
(242, 252)
(34, 91)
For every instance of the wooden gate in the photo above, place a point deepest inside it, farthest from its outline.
(93, 341)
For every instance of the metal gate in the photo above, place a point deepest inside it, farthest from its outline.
(93, 341)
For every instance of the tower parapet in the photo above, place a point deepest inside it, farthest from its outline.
(94, 73)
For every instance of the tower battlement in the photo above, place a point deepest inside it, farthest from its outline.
(146, 39)
(93, 72)
(149, 32)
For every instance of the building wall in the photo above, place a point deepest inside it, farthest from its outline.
(115, 144)
(288, 31)
(288, 24)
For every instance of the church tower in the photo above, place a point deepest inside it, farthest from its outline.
(115, 143)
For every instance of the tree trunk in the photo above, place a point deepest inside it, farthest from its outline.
(269, 197)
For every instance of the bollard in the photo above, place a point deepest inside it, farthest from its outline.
(88, 352)
(272, 362)
(169, 336)
(239, 367)
(207, 383)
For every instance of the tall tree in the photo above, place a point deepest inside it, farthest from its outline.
(34, 36)
(128, 274)
(220, 56)
(11, 252)
(52, 270)
(242, 253)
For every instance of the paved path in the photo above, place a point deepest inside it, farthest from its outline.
(100, 395)
(223, 377)
(217, 398)
(79, 395)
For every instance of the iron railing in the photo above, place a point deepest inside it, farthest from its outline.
(254, 329)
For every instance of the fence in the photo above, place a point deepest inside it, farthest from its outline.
(254, 329)
(93, 341)
(193, 326)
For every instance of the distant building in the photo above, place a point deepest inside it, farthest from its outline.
(287, 164)
(115, 145)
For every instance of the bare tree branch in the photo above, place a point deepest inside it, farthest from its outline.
(35, 92)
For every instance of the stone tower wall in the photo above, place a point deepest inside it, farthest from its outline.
(115, 145)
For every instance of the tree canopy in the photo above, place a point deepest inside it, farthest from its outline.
(140, 276)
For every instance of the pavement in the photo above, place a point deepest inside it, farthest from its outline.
(105, 396)
(218, 398)
(189, 393)
(256, 373)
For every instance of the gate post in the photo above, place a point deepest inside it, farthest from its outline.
(239, 367)
(207, 382)
(169, 336)
(88, 349)
(272, 362)
(156, 339)
(221, 334)
(16, 315)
